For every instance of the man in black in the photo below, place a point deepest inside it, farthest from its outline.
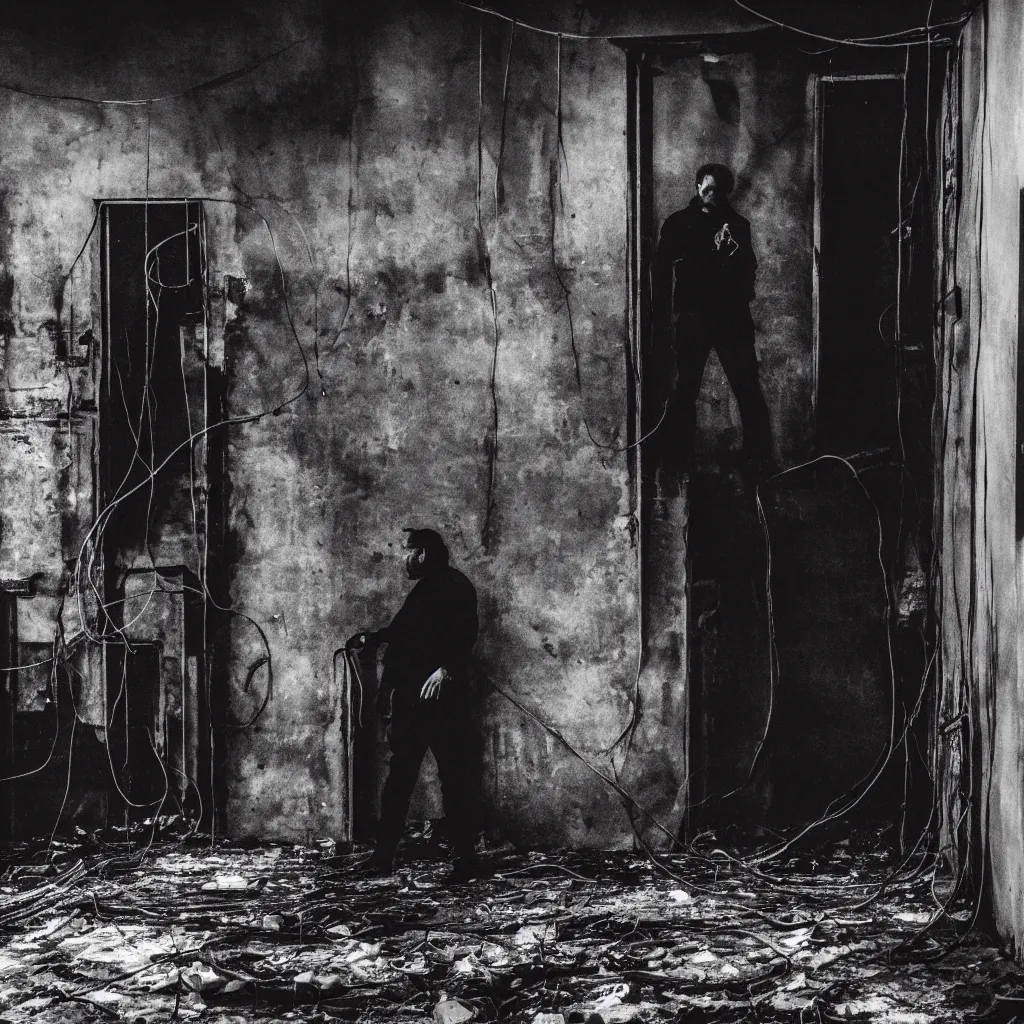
(426, 672)
(704, 280)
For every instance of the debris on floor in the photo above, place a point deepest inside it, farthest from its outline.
(190, 929)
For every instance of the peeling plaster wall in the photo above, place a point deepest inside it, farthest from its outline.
(340, 182)
(356, 188)
(977, 432)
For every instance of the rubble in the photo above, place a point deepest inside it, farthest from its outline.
(191, 929)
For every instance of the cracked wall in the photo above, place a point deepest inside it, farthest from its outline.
(362, 189)
(340, 185)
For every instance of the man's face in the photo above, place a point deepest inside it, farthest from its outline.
(708, 190)
(415, 561)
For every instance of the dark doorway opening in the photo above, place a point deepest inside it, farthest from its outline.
(798, 661)
(159, 532)
(860, 210)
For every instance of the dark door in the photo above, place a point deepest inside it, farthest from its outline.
(154, 535)
(861, 126)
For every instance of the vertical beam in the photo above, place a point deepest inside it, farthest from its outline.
(816, 86)
(8, 659)
(662, 555)
(1020, 380)
(639, 91)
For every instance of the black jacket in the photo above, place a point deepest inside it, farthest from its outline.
(704, 276)
(435, 627)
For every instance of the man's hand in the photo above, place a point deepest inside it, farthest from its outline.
(368, 640)
(432, 687)
(724, 237)
(357, 642)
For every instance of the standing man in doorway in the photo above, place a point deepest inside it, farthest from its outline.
(704, 281)
(426, 673)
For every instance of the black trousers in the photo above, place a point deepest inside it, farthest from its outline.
(440, 725)
(729, 330)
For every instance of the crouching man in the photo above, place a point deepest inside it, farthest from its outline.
(426, 669)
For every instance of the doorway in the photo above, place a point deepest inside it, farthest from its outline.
(787, 665)
(858, 221)
(158, 540)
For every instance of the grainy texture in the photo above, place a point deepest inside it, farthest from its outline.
(339, 183)
(418, 306)
(232, 935)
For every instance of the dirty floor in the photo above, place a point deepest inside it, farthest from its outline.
(187, 929)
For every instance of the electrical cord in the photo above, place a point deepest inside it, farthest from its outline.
(112, 505)
(868, 782)
(944, 358)
(210, 84)
(630, 800)
(888, 39)
(486, 539)
(104, 515)
(773, 654)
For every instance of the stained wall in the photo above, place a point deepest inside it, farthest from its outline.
(416, 238)
(393, 258)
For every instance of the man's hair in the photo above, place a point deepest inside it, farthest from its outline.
(430, 541)
(722, 175)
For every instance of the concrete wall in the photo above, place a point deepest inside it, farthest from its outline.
(340, 183)
(977, 433)
(363, 189)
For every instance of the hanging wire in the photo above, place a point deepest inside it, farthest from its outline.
(897, 39)
(210, 84)
(556, 202)
(486, 538)
(885, 40)
(64, 646)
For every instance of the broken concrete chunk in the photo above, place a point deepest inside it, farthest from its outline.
(226, 882)
(201, 977)
(533, 934)
(612, 995)
(451, 1011)
(549, 1018)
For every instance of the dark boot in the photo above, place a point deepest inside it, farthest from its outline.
(380, 864)
(465, 868)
